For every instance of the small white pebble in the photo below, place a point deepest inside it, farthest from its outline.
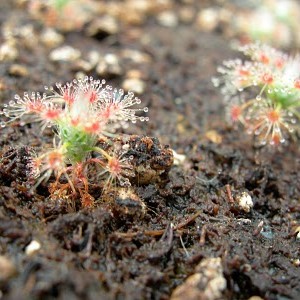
(244, 201)
(8, 269)
(207, 19)
(51, 38)
(8, 52)
(65, 53)
(244, 221)
(168, 19)
(32, 248)
(136, 56)
(93, 58)
(178, 158)
(84, 65)
(296, 262)
(111, 58)
(18, 70)
(135, 85)
(106, 24)
(109, 64)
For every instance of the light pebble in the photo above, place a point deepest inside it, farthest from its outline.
(207, 19)
(135, 85)
(244, 201)
(7, 268)
(51, 38)
(33, 247)
(65, 53)
(8, 52)
(18, 70)
(168, 19)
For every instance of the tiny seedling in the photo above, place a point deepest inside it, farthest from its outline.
(263, 93)
(82, 113)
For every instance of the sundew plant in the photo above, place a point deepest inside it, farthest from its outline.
(263, 93)
(81, 112)
(56, 13)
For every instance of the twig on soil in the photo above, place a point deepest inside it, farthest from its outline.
(203, 235)
(188, 220)
(164, 245)
(229, 194)
(259, 228)
(208, 182)
(86, 252)
(183, 246)
(161, 231)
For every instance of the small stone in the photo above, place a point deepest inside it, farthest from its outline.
(296, 262)
(7, 268)
(168, 19)
(178, 158)
(187, 14)
(134, 74)
(32, 248)
(28, 35)
(51, 38)
(207, 283)
(105, 25)
(83, 65)
(213, 136)
(158, 163)
(65, 53)
(143, 6)
(244, 221)
(296, 230)
(127, 202)
(93, 58)
(2, 86)
(136, 56)
(134, 84)
(207, 19)
(8, 52)
(18, 70)
(109, 65)
(80, 75)
(244, 201)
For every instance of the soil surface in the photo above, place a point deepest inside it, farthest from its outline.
(186, 234)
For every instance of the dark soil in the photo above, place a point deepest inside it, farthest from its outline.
(144, 250)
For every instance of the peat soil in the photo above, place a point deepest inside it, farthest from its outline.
(191, 237)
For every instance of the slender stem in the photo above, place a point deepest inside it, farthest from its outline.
(102, 152)
(248, 103)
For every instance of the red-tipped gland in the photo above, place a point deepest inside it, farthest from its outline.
(92, 127)
(51, 114)
(92, 96)
(74, 121)
(34, 107)
(264, 59)
(68, 98)
(86, 199)
(273, 116)
(114, 166)
(243, 72)
(109, 111)
(36, 164)
(276, 139)
(267, 78)
(279, 63)
(55, 160)
(297, 84)
(235, 113)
